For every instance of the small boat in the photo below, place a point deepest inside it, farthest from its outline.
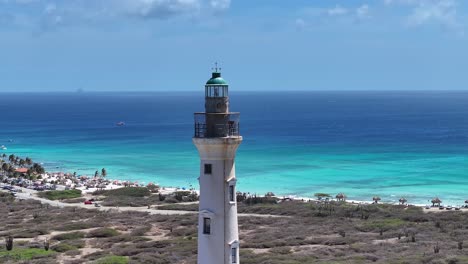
(449, 207)
(2, 147)
(428, 207)
(120, 123)
(441, 208)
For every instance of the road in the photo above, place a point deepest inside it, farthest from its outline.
(32, 195)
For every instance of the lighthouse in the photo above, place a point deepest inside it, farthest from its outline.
(217, 138)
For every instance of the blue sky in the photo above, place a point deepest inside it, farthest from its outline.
(166, 45)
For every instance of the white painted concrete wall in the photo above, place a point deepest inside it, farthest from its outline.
(214, 200)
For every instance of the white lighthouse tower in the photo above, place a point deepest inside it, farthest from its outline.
(217, 139)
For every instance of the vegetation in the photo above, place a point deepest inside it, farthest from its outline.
(22, 254)
(127, 191)
(69, 236)
(103, 232)
(142, 196)
(308, 232)
(59, 195)
(9, 166)
(112, 260)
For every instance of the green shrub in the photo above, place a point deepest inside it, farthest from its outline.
(20, 254)
(63, 247)
(69, 236)
(126, 191)
(384, 225)
(75, 226)
(112, 260)
(103, 232)
(58, 195)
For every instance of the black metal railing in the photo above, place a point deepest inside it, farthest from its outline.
(211, 125)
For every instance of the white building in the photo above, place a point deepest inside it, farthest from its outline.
(217, 139)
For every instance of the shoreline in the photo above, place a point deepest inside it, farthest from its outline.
(118, 183)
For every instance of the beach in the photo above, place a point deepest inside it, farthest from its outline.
(390, 144)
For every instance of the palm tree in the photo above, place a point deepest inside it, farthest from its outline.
(11, 158)
(96, 174)
(38, 168)
(5, 167)
(402, 200)
(4, 156)
(28, 161)
(22, 162)
(376, 199)
(103, 172)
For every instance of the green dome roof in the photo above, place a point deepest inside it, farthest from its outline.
(216, 80)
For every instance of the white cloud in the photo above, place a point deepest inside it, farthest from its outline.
(220, 4)
(362, 11)
(332, 15)
(55, 11)
(337, 11)
(160, 9)
(423, 12)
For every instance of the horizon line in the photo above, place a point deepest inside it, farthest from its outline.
(248, 91)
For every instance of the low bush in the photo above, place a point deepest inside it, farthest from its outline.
(112, 260)
(59, 195)
(103, 232)
(126, 191)
(63, 247)
(69, 236)
(23, 254)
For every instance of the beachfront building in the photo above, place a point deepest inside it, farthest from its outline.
(217, 139)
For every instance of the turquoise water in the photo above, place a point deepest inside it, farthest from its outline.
(391, 144)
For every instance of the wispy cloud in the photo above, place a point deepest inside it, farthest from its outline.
(332, 14)
(363, 12)
(48, 13)
(337, 11)
(425, 12)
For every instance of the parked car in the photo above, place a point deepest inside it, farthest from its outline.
(97, 205)
(88, 202)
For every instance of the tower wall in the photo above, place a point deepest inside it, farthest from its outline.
(215, 200)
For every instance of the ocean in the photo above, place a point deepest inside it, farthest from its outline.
(362, 143)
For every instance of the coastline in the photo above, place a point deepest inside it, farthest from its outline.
(118, 183)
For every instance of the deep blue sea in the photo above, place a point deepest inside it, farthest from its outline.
(391, 144)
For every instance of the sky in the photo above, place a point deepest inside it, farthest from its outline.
(278, 45)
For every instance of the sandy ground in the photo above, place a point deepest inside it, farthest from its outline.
(32, 194)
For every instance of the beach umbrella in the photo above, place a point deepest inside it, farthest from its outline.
(376, 199)
(340, 197)
(436, 201)
(466, 201)
(402, 200)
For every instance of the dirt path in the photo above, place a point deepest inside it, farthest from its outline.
(31, 194)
